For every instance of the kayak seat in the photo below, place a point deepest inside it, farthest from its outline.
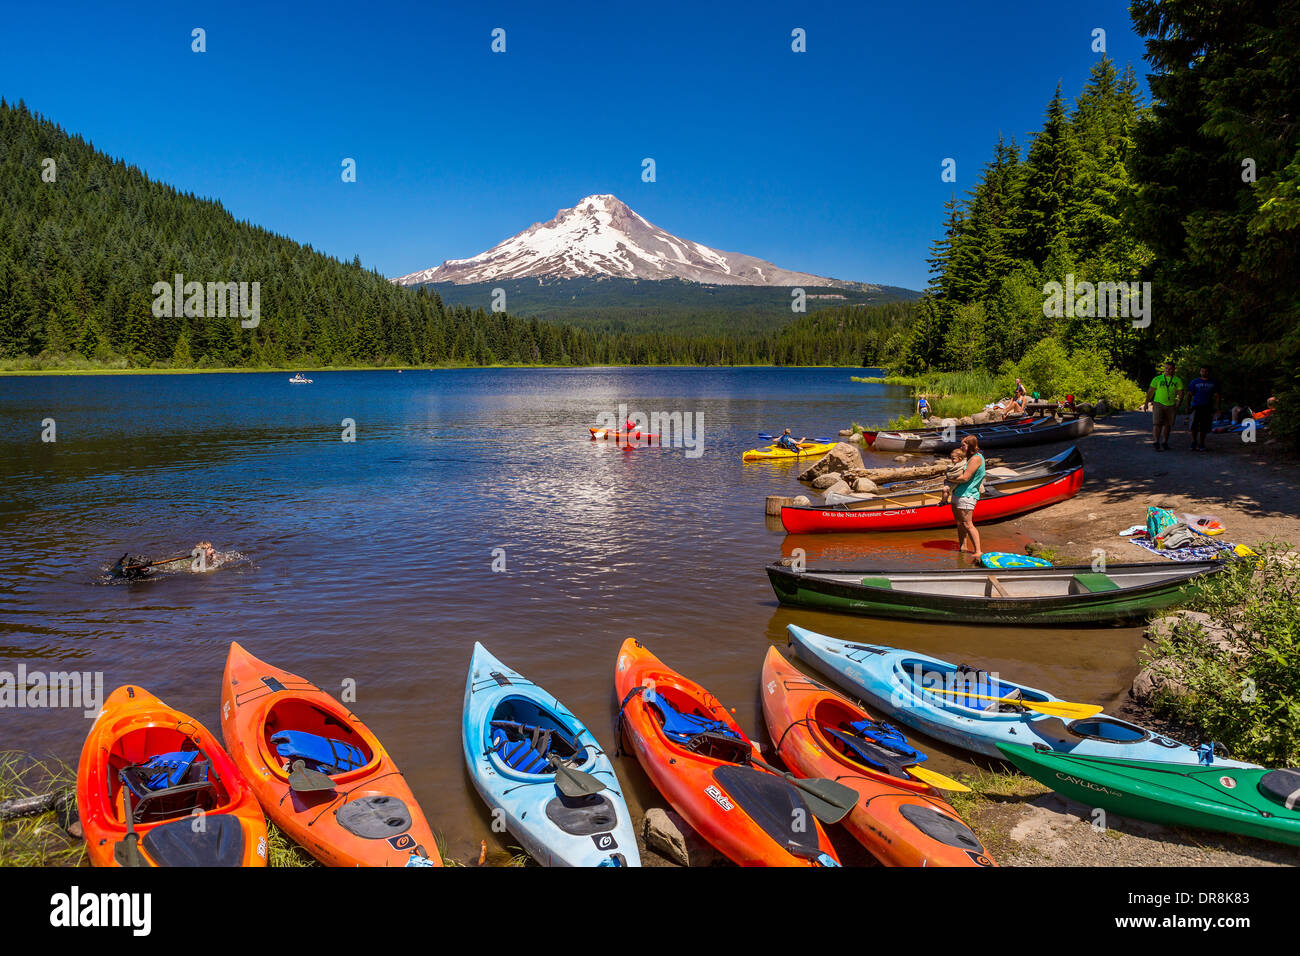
(525, 747)
(1094, 582)
(325, 754)
(864, 751)
(168, 785)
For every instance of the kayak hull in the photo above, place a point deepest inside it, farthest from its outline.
(596, 831)
(133, 726)
(902, 822)
(925, 510)
(716, 797)
(901, 684)
(775, 453)
(370, 818)
(967, 596)
(1216, 797)
(1001, 435)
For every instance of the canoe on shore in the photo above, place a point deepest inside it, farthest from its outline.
(777, 453)
(900, 820)
(925, 509)
(976, 595)
(1252, 801)
(1066, 460)
(869, 435)
(946, 701)
(1002, 435)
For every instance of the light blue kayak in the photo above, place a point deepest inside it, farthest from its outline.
(904, 684)
(512, 730)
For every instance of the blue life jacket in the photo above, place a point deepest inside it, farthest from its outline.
(325, 754)
(787, 441)
(683, 727)
(167, 770)
(877, 744)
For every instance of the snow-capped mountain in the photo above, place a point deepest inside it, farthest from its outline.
(601, 236)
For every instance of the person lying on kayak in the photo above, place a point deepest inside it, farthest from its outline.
(787, 441)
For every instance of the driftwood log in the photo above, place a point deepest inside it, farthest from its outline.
(39, 803)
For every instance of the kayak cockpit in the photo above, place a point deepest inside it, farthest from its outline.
(163, 775)
(527, 737)
(958, 688)
(297, 729)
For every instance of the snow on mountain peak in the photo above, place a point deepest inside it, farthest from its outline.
(602, 236)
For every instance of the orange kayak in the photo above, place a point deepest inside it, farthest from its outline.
(154, 788)
(349, 805)
(701, 761)
(902, 821)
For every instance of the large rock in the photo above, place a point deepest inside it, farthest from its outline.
(966, 420)
(828, 479)
(865, 485)
(1149, 683)
(1195, 627)
(843, 457)
(672, 837)
(981, 418)
(840, 487)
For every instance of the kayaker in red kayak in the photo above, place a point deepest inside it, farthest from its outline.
(965, 493)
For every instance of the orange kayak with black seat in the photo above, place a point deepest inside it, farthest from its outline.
(900, 819)
(318, 771)
(702, 762)
(154, 788)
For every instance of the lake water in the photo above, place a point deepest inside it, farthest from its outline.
(373, 560)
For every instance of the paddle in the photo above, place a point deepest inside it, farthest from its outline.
(829, 801)
(574, 783)
(814, 441)
(303, 780)
(127, 850)
(122, 570)
(1057, 708)
(936, 779)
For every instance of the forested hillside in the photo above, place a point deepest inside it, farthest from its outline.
(1196, 193)
(79, 256)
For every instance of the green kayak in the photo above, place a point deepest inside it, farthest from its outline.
(1251, 801)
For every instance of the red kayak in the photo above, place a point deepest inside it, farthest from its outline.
(612, 435)
(925, 509)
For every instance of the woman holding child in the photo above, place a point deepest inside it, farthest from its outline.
(962, 484)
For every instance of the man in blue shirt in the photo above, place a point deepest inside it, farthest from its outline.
(1206, 402)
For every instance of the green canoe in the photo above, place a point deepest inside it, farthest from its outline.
(975, 595)
(1251, 801)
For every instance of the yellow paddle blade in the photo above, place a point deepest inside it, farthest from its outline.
(1057, 708)
(937, 780)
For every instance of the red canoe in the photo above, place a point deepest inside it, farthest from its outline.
(923, 509)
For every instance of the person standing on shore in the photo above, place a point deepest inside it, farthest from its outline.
(1205, 393)
(1165, 395)
(965, 493)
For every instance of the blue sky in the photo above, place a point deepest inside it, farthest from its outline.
(826, 161)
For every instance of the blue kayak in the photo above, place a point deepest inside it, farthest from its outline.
(904, 684)
(514, 733)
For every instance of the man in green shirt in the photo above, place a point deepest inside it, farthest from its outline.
(1165, 395)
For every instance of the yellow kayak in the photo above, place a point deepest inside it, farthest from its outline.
(775, 452)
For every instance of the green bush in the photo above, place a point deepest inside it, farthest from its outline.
(1247, 696)
(1047, 368)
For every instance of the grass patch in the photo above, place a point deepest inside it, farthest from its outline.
(1243, 682)
(38, 839)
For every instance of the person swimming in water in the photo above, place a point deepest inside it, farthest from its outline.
(205, 556)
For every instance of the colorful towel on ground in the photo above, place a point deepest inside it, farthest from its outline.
(1002, 559)
(1207, 552)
